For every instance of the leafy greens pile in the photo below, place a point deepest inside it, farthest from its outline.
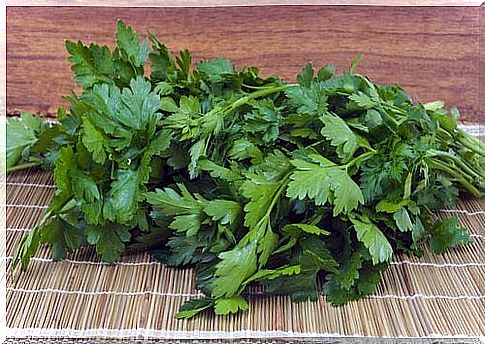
(250, 180)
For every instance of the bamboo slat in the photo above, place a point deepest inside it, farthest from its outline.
(419, 300)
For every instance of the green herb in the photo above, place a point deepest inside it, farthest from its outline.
(249, 179)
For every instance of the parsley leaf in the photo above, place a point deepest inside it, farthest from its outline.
(23, 132)
(322, 180)
(447, 234)
(109, 240)
(373, 239)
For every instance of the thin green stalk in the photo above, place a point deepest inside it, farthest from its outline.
(466, 184)
(471, 147)
(457, 161)
(360, 159)
(395, 109)
(390, 118)
(281, 188)
(29, 242)
(274, 200)
(449, 136)
(314, 144)
(453, 165)
(24, 166)
(257, 87)
(240, 102)
(261, 93)
(471, 138)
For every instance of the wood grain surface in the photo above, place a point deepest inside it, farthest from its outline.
(432, 52)
(204, 3)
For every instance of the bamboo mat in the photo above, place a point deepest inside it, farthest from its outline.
(420, 300)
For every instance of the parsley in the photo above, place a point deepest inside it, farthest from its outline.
(250, 180)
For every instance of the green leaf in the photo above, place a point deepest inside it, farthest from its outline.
(305, 77)
(340, 135)
(128, 43)
(365, 284)
(193, 307)
(434, 106)
(26, 248)
(162, 65)
(388, 207)
(348, 271)
(62, 237)
(235, 267)
(370, 276)
(217, 171)
(372, 118)
(267, 244)
(224, 211)
(168, 104)
(243, 149)
(309, 180)
(169, 201)
(403, 221)
(65, 169)
(318, 182)
(94, 140)
(355, 62)
(447, 234)
(109, 240)
(265, 274)
(313, 258)
(22, 133)
(373, 239)
(362, 100)
(190, 224)
(197, 151)
(260, 193)
(163, 88)
(347, 193)
(312, 100)
(184, 62)
(183, 250)
(216, 70)
(139, 105)
(303, 227)
(160, 142)
(122, 200)
(326, 72)
(85, 187)
(91, 65)
(230, 305)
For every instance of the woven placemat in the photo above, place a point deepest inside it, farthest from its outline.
(329, 340)
(435, 298)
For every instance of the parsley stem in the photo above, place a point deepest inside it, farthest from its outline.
(471, 147)
(466, 184)
(24, 166)
(281, 188)
(471, 138)
(457, 161)
(261, 93)
(395, 108)
(261, 87)
(360, 159)
(29, 244)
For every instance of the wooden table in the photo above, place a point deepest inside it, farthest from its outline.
(433, 52)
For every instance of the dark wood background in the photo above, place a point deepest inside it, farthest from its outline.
(206, 3)
(433, 52)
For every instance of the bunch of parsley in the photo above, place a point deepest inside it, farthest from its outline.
(304, 188)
